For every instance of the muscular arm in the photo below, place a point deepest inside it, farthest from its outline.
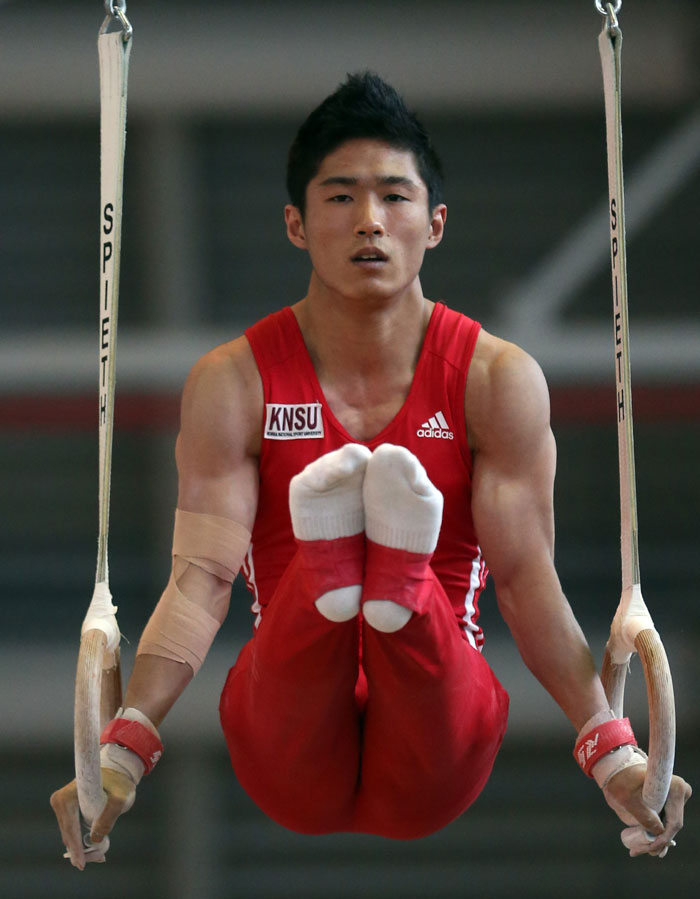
(217, 451)
(514, 460)
(512, 505)
(216, 454)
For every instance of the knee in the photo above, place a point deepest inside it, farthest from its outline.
(385, 615)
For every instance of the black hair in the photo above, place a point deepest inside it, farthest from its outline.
(364, 106)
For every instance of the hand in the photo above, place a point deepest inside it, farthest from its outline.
(623, 794)
(120, 793)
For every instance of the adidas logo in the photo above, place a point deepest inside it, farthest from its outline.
(436, 426)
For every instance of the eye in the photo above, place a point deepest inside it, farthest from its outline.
(396, 198)
(340, 198)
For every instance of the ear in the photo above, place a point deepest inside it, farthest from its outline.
(295, 226)
(437, 225)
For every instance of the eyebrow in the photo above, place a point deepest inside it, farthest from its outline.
(386, 179)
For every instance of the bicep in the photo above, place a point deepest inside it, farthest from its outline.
(216, 451)
(514, 466)
(513, 509)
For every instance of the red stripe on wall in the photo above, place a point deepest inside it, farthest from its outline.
(132, 412)
(650, 403)
(144, 412)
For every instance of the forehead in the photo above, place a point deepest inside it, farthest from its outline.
(367, 159)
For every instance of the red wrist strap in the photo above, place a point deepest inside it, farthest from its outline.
(134, 736)
(602, 740)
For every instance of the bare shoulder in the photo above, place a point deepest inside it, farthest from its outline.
(507, 400)
(228, 369)
(222, 403)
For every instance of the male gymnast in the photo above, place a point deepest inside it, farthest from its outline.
(364, 456)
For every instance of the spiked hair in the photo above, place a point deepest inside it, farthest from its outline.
(364, 106)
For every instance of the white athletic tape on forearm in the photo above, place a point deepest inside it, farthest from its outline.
(179, 629)
(182, 627)
(205, 539)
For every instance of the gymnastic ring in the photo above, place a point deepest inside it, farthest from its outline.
(603, 11)
(662, 718)
(114, 7)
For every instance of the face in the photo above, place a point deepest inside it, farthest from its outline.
(367, 223)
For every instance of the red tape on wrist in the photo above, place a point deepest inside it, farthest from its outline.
(398, 575)
(329, 564)
(134, 736)
(602, 740)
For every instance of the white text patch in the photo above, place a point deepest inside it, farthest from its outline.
(289, 421)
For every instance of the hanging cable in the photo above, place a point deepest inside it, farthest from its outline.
(632, 628)
(98, 679)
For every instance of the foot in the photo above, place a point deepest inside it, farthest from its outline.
(403, 510)
(325, 501)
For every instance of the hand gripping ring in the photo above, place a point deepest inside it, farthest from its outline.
(662, 719)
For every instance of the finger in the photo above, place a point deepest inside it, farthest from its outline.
(646, 817)
(673, 812)
(95, 852)
(64, 803)
(624, 794)
(638, 842)
(104, 822)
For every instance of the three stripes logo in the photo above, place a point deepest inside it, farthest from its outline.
(436, 426)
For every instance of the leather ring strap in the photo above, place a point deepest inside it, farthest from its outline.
(134, 736)
(602, 740)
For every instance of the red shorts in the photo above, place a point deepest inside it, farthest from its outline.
(338, 727)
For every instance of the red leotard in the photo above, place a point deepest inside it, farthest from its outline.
(335, 726)
(436, 398)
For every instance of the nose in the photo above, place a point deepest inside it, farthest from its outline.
(369, 220)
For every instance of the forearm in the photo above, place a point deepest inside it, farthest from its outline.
(552, 645)
(207, 553)
(155, 684)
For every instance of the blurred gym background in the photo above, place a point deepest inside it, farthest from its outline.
(512, 92)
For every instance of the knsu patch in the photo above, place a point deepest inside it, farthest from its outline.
(291, 421)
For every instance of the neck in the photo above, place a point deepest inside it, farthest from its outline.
(367, 336)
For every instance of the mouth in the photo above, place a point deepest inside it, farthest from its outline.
(370, 255)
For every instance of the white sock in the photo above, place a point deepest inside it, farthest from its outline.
(403, 510)
(325, 501)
